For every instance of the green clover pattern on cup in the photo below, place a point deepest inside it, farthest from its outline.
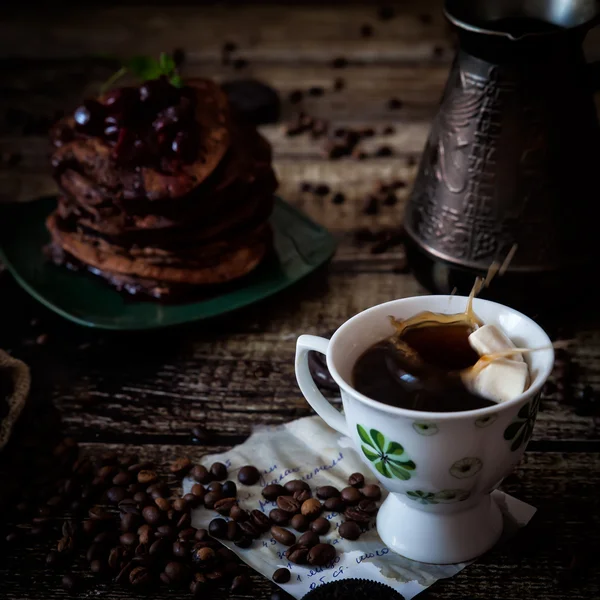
(486, 420)
(443, 497)
(388, 457)
(425, 428)
(466, 467)
(520, 430)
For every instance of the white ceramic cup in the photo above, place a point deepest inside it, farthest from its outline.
(439, 467)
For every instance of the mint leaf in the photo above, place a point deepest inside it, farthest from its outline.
(144, 67)
(176, 81)
(167, 64)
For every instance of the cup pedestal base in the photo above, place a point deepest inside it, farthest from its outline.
(439, 538)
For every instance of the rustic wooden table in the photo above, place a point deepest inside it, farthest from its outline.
(144, 393)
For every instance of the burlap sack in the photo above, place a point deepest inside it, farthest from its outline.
(14, 387)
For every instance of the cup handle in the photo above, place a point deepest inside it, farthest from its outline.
(307, 385)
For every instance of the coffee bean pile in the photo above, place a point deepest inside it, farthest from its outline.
(299, 510)
(128, 524)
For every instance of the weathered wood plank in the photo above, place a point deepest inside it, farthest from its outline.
(561, 485)
(41, 89)
(295, 34)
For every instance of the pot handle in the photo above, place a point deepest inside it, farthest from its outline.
(308, 387)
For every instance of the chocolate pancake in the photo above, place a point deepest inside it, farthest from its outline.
(206, 264)
(245, 173)
(94, 156)
(161, 194)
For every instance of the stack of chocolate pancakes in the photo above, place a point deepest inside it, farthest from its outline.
(163, 190)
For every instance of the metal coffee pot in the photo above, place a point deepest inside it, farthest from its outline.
(513, 157)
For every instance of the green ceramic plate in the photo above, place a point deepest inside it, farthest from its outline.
(300, 247)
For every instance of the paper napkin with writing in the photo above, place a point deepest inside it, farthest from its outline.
(308, 449)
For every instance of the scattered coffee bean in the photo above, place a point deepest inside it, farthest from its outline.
(339, 83)
(129, 522)
(366, 30)
(283, 536)
(390, 199)
(350, 530)
(147, 477)
(321, 555)
(438, 51)
(244, 542)
(299, 522)
(311, 508)
(373, 492)
(218, 528)
(157, 490)
(316, 91)
(218, 471)
(327, 491)
(320, 190)
(158, 547)
(320, 526)
(53, 558)
(308, 539)
(250, 529)
(385, 13)
(384, 151)
(211, 498)
(240, 63)
(122, 478)
(279, 517)
(128, 539)
(368, 506)
(215, 486)
(297, 554)
(234, 532)
(145, 534)
(334, 504)
(181, 466)
(295, 96)
(162, 503)
(191, 500)
(248, 475)
(241, 584)
(351, 496)
(176, 571)
(355, 514)
(201, 474)
(198, 491)
(371, 206)
(302, 496)
(224, 506)
(70, 583)
(262, 522)
(139, 577)
(273, 491)
(152, 515)
(180, 504)
(238, 514)
(282, 575)
(338, 198)
(288, 504)
(97, 567)
(339, 63)
(388, 130)
(356, 480)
